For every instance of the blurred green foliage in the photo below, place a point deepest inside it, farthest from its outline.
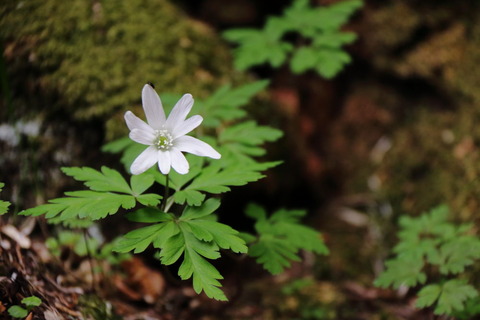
(434, 253)
(318, 42)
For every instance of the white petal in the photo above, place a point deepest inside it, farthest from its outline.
(143, 137)
(179, 162)
(179, 111)
(153, 107)
(134, 122)
(187, 126)
(164, 161)
(197, 147)
(144, 161)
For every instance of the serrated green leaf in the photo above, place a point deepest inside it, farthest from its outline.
(249, 133)
(97, 204)
(17, 312)
(3, 204)
(225, 103)
(207, 208)
(331, 62)
(141, 182)
(205, 275)
(224, 236)
(172, 249)
(303, 59)
(138, 240)
(458, 253)
(191, 197)
(256, 211)
(273, 253)
(149, 199)
(428, 295)
(454, 295)
(148, 215)
(281, 236)
(405, 270)
(216, 179)
(200, 237)
(106, 180)
(83, 204)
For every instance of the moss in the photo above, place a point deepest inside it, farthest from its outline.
(435, 159)
(91, 58)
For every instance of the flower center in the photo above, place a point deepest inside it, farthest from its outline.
(163, 140)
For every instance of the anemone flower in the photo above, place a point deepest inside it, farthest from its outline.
(166, 137)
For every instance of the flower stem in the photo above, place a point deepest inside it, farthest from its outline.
(167, 192)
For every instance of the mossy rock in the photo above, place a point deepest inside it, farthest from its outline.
(91, 58)
(435, 160)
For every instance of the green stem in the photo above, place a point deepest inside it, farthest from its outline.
(167, 192)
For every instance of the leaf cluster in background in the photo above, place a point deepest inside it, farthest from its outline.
(319, 39)
(280, 237)
(194, 237)
(430, 240)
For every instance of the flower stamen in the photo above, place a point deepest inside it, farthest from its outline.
(163, 140)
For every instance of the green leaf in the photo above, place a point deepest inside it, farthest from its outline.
(331, 62)
(273, 253)
(102, 201)
(3, 204)
(32, 301)
(138, 240)
(458, 253)
(406, 270)
(148, 215)
(192, 197)
(83, 204)
(205, 275)
(17, 312)
(140, 183)
(452, 296)
(216, 179)
(106, 180)
(303, 59)
(209, 207)
(200, 238)
(255, 47)
(225, 103)
(281, 236)
(224, 236)
(428, 295)
(249, 133)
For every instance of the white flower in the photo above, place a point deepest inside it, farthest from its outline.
(166, 137)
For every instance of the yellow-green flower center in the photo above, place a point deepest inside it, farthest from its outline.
(163, 140)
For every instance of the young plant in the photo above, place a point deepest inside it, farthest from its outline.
(280, 237)
(434, 254)
(21, 312)
(182, 224)
(318, 42)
